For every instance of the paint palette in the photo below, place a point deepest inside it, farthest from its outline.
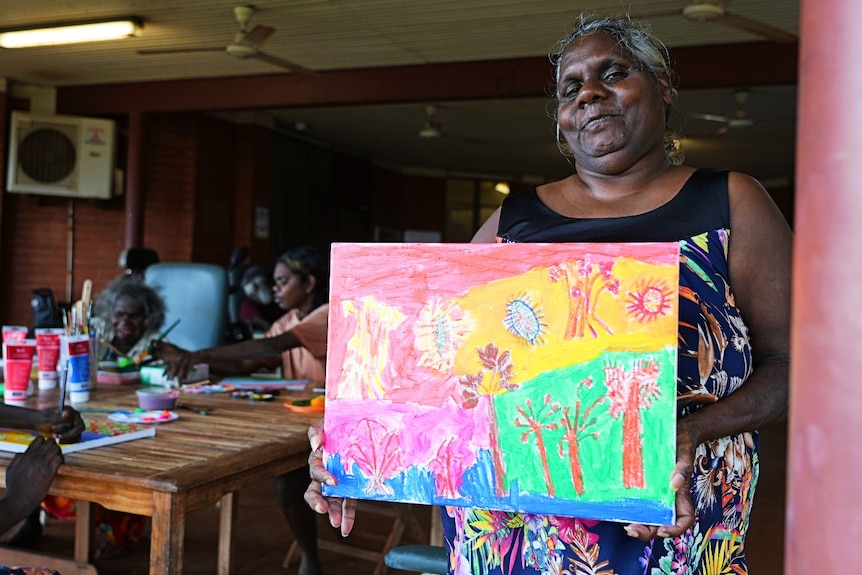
(144, 416)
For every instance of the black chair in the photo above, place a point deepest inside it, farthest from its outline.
(45, 310)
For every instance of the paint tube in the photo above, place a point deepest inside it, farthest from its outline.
(18, 361)
(48, 351)
(76, 350)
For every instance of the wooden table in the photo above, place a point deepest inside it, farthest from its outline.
(192, 462)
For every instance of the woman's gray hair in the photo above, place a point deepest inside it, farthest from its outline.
(134, 289)
(649, 53)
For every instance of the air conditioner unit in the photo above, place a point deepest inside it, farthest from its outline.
(61, 155)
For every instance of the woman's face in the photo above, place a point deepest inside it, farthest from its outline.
(610, 112)
(127, 321)
(289, 290)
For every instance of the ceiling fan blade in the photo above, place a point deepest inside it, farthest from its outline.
(710, 117)
(181, 50)
(286, 64)
(756, 28)
(722, 130)
(258, 36)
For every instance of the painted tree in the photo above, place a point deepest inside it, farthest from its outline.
(577, 426)
(495, 378)
(448, 466)
(534, 423)
(584, 282)
(377, 453)
(629, 392)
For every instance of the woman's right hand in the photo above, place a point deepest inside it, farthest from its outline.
(30, 474)
(342, 512)
(179, 361)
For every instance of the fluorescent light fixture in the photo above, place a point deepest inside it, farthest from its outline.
(503, 188)
(70, 33)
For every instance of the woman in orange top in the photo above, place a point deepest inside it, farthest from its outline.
(298, 339)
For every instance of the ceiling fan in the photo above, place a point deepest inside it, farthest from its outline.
(246, 44)
(716, 11)
(433, 128)
(739, 119)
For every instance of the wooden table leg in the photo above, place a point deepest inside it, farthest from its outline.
(168, 534)
(227, 522)
(84, 510)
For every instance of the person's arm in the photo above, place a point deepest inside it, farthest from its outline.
(760, 257)
(759, 261)
(28, 478)
(67, 427)
(488, 232)
(247, 356)
(233, 359)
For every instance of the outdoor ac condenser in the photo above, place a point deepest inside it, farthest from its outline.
(61, 155)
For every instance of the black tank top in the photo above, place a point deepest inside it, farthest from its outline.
(700, 206)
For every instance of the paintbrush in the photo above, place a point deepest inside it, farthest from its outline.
(110, 346)
(64, 374)
(149, 348)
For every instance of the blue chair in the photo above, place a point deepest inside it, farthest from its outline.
(197, 295)
(419, 558)
(433, 558)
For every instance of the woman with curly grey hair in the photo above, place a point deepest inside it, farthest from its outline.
(128, 314)
(613, 94)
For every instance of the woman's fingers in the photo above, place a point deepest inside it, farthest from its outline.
(642, 532)
(315, 499)
(341, 511)
(348, 516)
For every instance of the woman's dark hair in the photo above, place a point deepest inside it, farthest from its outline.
(649, 53)
(305, 262)
(134, 289)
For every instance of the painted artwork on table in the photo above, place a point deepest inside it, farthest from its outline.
(526, 377)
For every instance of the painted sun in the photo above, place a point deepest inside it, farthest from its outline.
(650, 301)
(439, 331)
(524, 319)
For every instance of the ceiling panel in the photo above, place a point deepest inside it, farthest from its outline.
(332, 35)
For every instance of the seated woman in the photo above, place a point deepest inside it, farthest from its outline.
(128, 314)
(299, 338)
(258, 310)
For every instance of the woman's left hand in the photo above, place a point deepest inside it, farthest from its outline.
(680, 481)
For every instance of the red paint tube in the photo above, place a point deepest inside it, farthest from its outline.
(48, 350)
(17, 364)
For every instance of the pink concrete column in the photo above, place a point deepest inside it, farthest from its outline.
(824, 513)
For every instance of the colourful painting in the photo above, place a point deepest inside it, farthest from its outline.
(96, 434)
(526, 377)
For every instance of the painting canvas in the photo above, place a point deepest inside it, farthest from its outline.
(526, 377)
(96, 434)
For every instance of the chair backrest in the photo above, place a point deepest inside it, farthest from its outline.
(196, 294)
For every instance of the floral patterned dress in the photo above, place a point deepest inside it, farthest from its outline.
(714, 360)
